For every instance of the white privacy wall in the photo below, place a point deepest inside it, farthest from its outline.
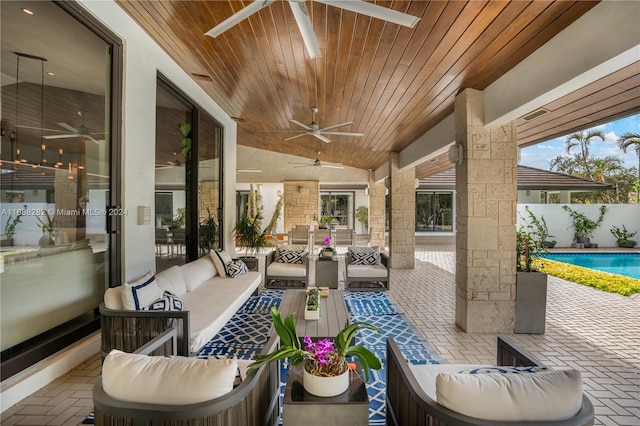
(560, 224)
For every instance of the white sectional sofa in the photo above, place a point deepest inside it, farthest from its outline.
(209, 301)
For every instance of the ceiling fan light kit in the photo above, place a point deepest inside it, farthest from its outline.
(301, 15)
(314, 129)
(318, 163)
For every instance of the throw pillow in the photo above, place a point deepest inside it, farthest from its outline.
(141, 292)
(504, 370)
(365, 258)
(237, 267)
(220, 259)
(290, 256)
(166, 381)
(168, 302)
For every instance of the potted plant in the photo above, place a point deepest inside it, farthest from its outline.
(323, 221)
(208, 233)
(623, 237)
(312, 306)
(248, 230)
(327, 250)
(12, 222)
(178, 221)
(539, 226)
(531, 285)
(48, 226)
(325, 369)
(583, 227)
(362, 216)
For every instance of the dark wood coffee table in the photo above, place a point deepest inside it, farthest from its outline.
(333, 314)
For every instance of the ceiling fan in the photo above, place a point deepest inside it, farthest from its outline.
(301, 15)
(169, 164)
(81, 132)
(314, 129)
(318, 163)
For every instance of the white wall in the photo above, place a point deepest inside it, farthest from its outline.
(559, 222)
(143, 59)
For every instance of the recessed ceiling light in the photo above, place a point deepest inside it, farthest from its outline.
(50, 73)
(28, 11)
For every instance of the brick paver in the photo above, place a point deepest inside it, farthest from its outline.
(587, 329)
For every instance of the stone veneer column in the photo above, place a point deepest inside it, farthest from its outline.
(486, 185)
(377, 210)
(209, 198)
(402, 215)
(301, 199)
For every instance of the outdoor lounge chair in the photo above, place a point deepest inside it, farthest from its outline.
(283, 273)
(255, 401)
(367, 276)
(409, 404)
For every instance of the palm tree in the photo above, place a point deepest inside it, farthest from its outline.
(604, 170)
(625, 141)
(582, 140)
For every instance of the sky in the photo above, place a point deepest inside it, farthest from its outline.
(540, 155)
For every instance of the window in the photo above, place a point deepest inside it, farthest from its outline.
(57, 182)
(338, 205)
(434, 211)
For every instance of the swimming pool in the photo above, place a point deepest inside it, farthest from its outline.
(627, 264)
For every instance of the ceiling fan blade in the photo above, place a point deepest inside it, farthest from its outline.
(374, 11)
(322, 138)
(343, 133)
(300, 124)
(239, 16)
(38, 128)
(69, 128)
(91, 139)
(335, 126)
(301, 14)
(296, 136)
(65, 136)
(282, 131)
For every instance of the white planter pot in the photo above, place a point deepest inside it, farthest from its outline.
(311, 315)
(325, 386)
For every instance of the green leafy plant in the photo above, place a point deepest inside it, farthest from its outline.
(208, 233)
(325, 358)
(185, 131)
(529, 248)
(539, 228)
(178, 221)
(313, 299)
(248, 230)
(48, 224)
(583, 227)
(323, 221)
(623, 236)
(12, 223)
(362, 216)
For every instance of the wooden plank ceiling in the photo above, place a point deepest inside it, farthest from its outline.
(392, 82)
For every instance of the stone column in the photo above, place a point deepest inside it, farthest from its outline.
(377, 211)
(301, 200)
(486, 185)
(402, 215)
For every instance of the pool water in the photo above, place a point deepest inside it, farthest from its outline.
(627, 264)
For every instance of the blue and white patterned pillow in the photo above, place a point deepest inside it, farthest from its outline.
(168, 302)
(291, 256)
(504, 370)
(236, 267)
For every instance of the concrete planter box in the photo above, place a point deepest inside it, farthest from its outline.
(531, 302)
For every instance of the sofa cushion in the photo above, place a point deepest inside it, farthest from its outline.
(197, 272)
(426, 374)
(166, 380)
(220, 259)
(237, 267)
(366, 271)
(171, 280)
(290, 256)
(550, 395)
(113, 298)
(141, 292)
(168, 302)
(213, 304)
(277, 269)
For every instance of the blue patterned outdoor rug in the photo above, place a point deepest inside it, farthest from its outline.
(246, 334)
